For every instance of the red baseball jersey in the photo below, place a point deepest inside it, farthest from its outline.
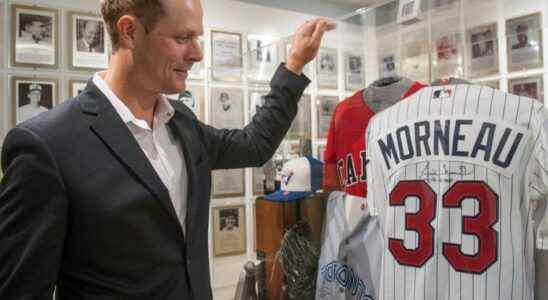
(344, 165)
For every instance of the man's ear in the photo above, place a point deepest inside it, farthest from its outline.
(127, 27)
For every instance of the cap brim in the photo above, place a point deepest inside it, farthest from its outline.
(284, 196)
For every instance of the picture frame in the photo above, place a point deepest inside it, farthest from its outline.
(76, 87)
(193, 97)
(301, 127)
(483, 52)
(447, 49)
(257, 179)
(531, 86)
(524, 42)
(325, 107)
(226, 108)
(229, 230)
(31, 96)
(88, 42)
(354, 71)
(34, 37)
(226, 56)
(409, 11)
(262, 57)
(327, 67)
(227, 183)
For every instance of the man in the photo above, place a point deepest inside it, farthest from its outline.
(32, 31)
(88, 40)
(107, 195)
(33, 108)
(521, 36)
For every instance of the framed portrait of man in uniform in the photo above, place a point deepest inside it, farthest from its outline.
(325, 107)
(354, 73)
(226, 109)
(524, 42)
(88, 41)
(483, 50)
(327, 68)
(34, 37)
(32, 96)
(229, 231)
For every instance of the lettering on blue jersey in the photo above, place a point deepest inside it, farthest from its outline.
(451, 137)
(345, 277)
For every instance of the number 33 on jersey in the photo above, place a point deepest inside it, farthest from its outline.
(455, 175)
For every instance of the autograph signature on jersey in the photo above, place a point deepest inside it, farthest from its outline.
(444, 174)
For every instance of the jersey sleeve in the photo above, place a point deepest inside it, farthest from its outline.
(330, 180)
(538, 181)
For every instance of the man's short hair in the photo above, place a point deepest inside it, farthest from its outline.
(146, 11)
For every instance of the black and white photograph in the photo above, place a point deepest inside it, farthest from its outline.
(327, 68)
(226, 56)
(256, 100)
(193, 98)
(388, 64)
(262, 57)
(76, 87)
(198, 69)
(447, 49)
(229, 230)
(301, 126)
(524, 42)
(531, 87)
(483, 51)
(325, 107)
(226, 108)
(258, 180)
(88, 40)
(228, 183)
(354, 71)
(34, 37)
(31, 97)
(408, 11)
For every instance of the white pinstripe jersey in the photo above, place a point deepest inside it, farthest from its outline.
(456, 174)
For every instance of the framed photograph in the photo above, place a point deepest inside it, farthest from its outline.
(301, 126)
(415, 63)
(483, 51)
(325, 106)
(531, 87)
(494, 84)
(256, 100)
(262, 57)
(409, 11)
(524, 42)
(258, 177)
(228, 183)
(354, 71)
(387, 63)
(226, 109)
(88, 42)
(229, 232)
(34, 37)
(226, 56)
(447, 49)
(193, 98)
(327, 68)
(320, 153)
(198, 68)
(76, 87)
(32, 96)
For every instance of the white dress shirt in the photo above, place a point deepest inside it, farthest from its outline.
(161, 148)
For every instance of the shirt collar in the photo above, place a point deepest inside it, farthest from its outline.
(162, 114)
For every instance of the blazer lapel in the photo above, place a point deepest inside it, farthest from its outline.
(110, 128)
(181, 127)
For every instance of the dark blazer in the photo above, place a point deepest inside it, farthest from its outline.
(81, 207)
